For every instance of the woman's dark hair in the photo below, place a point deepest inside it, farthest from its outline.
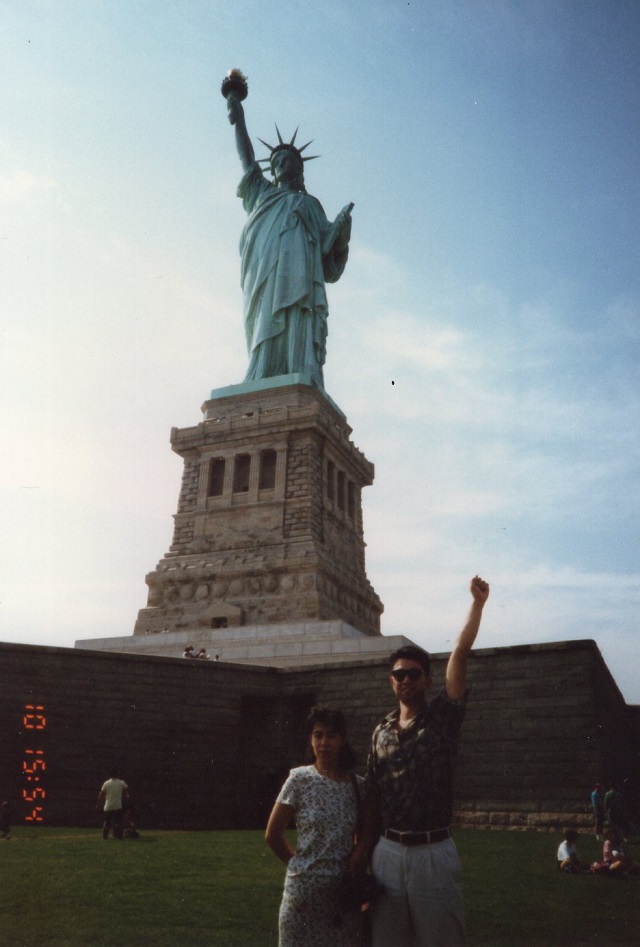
(334, 720)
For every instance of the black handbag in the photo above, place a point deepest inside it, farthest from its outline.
(358, 892)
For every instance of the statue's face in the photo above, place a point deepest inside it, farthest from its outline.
(286, 166)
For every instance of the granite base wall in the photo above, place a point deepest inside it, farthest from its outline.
(207, 745)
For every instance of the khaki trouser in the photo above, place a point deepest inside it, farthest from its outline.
(422, 905)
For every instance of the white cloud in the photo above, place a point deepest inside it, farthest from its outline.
(527, 605)
(17, 187)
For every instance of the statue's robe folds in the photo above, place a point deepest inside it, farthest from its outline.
(288, 253)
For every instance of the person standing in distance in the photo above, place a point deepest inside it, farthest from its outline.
(597, 804)
(409, 799)
(111, 799)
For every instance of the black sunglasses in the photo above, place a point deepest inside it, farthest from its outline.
(399, 674)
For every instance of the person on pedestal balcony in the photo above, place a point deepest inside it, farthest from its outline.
(289, 249)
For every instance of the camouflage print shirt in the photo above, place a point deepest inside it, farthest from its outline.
(410, 771)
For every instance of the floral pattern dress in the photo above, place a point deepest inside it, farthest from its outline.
(326, 812)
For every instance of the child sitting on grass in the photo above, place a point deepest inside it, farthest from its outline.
(568, 854)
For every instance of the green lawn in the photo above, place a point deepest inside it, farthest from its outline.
(68, 888)
(515, 895)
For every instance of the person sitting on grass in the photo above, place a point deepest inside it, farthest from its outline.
(5, 820)
(615, 860)
(568, 854)
(131, 823)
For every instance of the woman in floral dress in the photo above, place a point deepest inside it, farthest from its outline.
(322, 798)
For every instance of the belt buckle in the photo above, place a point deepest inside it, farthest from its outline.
(408, 837)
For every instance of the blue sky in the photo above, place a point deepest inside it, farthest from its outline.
(483, 341)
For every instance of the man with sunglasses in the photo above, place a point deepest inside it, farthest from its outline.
(409, 799)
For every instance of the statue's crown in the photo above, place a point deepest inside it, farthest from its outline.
(286, 146)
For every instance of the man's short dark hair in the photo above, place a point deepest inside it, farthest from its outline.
(411, 652)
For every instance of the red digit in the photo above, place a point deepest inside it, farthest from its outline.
(34, 718)
(36, 815)
(30, 765)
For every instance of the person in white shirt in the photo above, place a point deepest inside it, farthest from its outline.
(568, 854)
(111, 799)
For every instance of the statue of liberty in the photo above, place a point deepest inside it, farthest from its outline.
(289, 250)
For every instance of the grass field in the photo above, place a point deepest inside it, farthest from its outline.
(68, 888)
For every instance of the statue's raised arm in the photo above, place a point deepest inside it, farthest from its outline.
(289, 251)
(234, 96)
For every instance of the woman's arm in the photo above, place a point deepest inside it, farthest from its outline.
(368, 835)
(279, 822)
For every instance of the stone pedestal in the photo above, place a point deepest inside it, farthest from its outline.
(269, 524)
(290, 645)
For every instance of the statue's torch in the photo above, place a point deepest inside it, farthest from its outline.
(235, 84)
(234, 88)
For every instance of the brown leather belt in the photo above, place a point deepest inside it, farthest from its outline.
(417, 838)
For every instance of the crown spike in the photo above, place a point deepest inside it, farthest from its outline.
(293, 140)
(267, 145)
(305, 146)
(280, 138)
(311, 157)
